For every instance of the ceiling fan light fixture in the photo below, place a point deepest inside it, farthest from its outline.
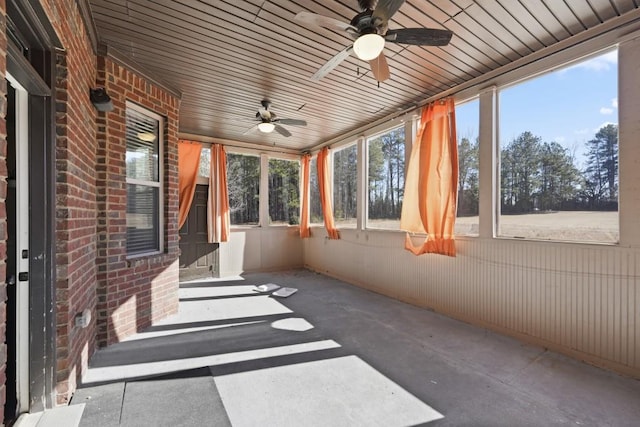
(368, 46)
(266, 127)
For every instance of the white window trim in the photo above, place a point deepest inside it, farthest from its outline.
(409, 122)
(248, 152)
(264, 217)
(491, 109)
(158, 184)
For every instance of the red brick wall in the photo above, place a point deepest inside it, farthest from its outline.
(133, 293)
(92, 271)
(75, 195)
(75, 189)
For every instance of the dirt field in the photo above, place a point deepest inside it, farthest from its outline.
(568, 226)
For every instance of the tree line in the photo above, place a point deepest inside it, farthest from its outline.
(386, 178)
(243, 184)
(535, 176)
(243, 187)
(386, 175)
(544, 176)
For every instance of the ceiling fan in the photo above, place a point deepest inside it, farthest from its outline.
(370, 31)
(269, 122)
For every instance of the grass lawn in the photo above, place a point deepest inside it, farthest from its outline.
(581, 226)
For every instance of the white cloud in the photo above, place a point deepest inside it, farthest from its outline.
(600, 63)
(560, 139)
(603, 62)
(607, 111)
(584, 131)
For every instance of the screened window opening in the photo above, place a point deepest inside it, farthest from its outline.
(559, 154)
(345, 185)
(386, 179)
(284, 192)
(467, 130)
(315, 206)
(144, 183)
(205, 163)
(243, 183)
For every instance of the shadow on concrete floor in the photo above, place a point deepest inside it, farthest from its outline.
(333, 354)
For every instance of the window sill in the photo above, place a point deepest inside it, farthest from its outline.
(146, 258)
(244, 227)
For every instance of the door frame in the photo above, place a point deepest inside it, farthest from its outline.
(22, 320)
(32, 50)
(185, 273)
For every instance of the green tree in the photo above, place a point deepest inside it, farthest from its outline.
(386, 174)
(345, 178)
(243, 184)
(467, 177)
(559, 178)
(376, 178)
(315, 206)
(393, 149)
(601, 172)
(520, 173)
(284, 191)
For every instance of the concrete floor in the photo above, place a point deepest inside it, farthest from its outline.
(336, 355)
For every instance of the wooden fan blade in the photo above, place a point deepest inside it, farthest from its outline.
(332, 63)
(419, 36)
(385, 9)
(282, 131)
(251, 129)
(292, 122)
(324, 21)
(380, 68)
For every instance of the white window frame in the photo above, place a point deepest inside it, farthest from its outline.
(492, 106)
(407, 126)
(156, 184)
(264, 218)
(261, 156)
(475, 98)
(359, 158)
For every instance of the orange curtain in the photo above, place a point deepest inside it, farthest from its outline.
(188, 165)
(431, 186)
(324, 182)
(218, 223)
(305, 230)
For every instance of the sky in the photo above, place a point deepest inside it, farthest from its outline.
(567, 106)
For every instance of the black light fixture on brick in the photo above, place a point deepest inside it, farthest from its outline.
(100, 99)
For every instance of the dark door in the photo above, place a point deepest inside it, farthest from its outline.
(11, 405)
(198, 258)
(34, 53)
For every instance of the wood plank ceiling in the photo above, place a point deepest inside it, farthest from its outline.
(226, 56)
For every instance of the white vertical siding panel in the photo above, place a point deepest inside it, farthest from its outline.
(580, 294)
(614, 312)
(633, 318)
(621, 309)
(634, 313)
(596, 298)
(607, 308)
(622, 301)
(581, 298)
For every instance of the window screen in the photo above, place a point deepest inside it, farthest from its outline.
(143, 134)
(284, 191)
